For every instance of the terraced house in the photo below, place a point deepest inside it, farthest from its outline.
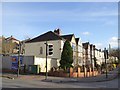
(99, 55)
(34, 50)
(87, 55)
(36, 47)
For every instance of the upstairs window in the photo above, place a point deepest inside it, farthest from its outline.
(73, 46)
(41, 50)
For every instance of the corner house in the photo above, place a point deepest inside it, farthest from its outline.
(36, 48)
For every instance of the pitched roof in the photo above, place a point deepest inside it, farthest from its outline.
(77, 40)
(85, 45)
(11, 38)
(68, 37)
(45, 37)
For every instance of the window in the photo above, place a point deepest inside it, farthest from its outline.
(73, 46)
(80, 48)
(41, 50)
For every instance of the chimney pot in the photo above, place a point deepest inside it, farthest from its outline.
(57, 31)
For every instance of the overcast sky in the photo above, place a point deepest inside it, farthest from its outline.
(96, 22)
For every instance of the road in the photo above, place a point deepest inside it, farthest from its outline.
(106, 84)
(18, 83)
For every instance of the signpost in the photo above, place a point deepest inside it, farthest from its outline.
(14, 63)
(49, 52)
(46, 60)
(17, 61)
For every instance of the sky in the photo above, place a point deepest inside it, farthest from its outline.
(96, 22)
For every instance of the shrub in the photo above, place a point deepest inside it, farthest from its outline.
(67, 56)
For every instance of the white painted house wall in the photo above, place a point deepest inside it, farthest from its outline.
(33, 49)
(74, 46)
(102, 57)
(99, 56)
(89, 60)
(42, 63)
(80, 53)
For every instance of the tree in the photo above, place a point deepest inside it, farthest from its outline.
(67, 56)
(8, 46)
(114, 52)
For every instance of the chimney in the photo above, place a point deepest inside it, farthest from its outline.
(57, 31)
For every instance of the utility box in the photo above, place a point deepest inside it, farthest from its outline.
(34, 69)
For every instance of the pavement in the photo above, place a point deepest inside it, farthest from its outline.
(100, 78)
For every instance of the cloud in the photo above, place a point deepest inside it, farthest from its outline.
(86, 33)
(99, 45)
(113, 41)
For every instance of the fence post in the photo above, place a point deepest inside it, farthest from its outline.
(71, 71)
(85, 72)
(79, 71)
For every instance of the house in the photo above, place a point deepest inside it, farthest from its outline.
(72, 39)
(76, 44)
(99, 54)
(12, 39)
(37, 47)
(80, 50)
(9, 45)
(87, 57)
